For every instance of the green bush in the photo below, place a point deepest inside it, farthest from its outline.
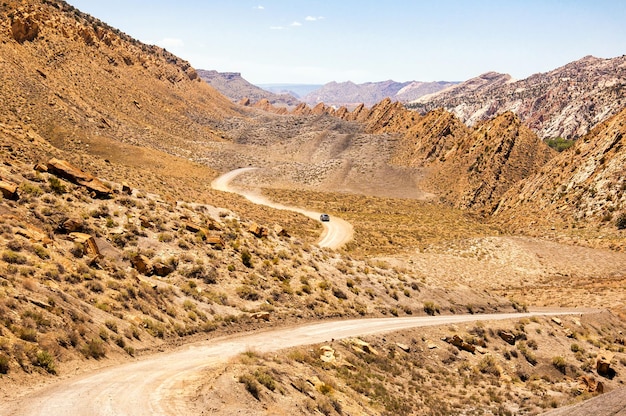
(559, 363)
(94, 349)
(559, 144)
(246, 258)
(620, 222)
(45, 360)
(431, 308)
(4, 364)
(249, 381)
(56, 185)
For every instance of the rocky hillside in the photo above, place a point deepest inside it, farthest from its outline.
(233, 86)
(349, 94)
(581, 187)
(68, 77)
(566, 102)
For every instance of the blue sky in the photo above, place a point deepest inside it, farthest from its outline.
(315, 41)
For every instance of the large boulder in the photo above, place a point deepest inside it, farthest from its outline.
(88, 242)
(9, 190)
(24, 28)
(142, 264)
(603, 364)
(508, 337)
(66, 170)
(258, 230)
(458, 342)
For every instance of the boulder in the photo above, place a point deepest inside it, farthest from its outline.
(126, 189)
(142, 264)
(88, 242)
(257, 230)
(9, 190)
(603, 364)
(590, 385)
(65, 170)
(265, 316)
(508, 337)
(71, 225)
(280, 231)
(458, 342)
(162, 269)
(361, 346)
(216, 241)
(327, 354)
(403, 347)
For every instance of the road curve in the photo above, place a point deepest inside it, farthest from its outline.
(155, 385)
(337, 232)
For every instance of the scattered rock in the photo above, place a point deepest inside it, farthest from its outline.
(162, 269)
(257, 230)
(9, 191)
(590, 385)
(603, 364)
(280, 231)
(403, 347)
(507, 336)
(88, 242)
(24, 28)
(71, 225)
(142, 264)
(265, 316)
(66, 170)
(328, 354)
(458, 342)
(126, 189)
(557, 321)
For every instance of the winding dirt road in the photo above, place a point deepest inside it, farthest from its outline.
(155, 385)
(337, 232)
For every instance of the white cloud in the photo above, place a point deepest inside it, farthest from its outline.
(313, 18)
(259, 7)
(170, 43)
(296, 24)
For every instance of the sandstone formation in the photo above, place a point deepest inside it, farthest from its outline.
(566, 102)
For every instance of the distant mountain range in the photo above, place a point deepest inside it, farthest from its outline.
(335, 94)
(565, 102)
(350, 95)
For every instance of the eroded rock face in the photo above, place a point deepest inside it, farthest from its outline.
(566, 102)
(24, 28)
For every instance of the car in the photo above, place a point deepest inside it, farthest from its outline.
(324, 218)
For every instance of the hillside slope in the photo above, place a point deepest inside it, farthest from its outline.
(581, 187)
(70, 76)
(566, 102)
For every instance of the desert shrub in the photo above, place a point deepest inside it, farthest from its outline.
(559, 363)
(559, 144)
(27, 334)
(576, 348)
(112, 325)
(431, 308)
(30, 189)
(94, 349)
(339, 294)
(56, 185)
(265, 379)
(4, 364)
(620, 222)
(249, 381)
(45, 360)
(489, 365)
(248, 293)
(13, 257)
(246, 258)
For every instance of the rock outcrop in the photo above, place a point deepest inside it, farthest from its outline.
(566, 102)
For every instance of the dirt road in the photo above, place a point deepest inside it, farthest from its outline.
(155, 385)
(337, 232)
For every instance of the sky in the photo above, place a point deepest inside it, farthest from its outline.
(319, 41)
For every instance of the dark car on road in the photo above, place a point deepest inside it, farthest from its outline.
(324, 218)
